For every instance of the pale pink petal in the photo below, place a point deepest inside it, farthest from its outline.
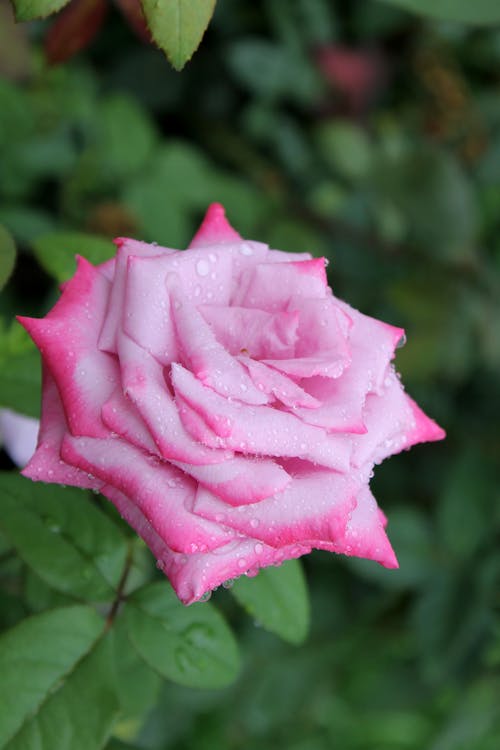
(144, 383)
(114, 312)
(240, 480)
(314, 507)
(271, 286)
(46, 465)
(364, 534)
(371, 344)
(259, 429)
(274, 383)
(160, 491)
(199, 275)
(215, 229)
(68, 336)
(207, 358)
(193, 575)
(393, 422)
(258, 333)
(120, 416)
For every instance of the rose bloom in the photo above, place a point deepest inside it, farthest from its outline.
(225, 401)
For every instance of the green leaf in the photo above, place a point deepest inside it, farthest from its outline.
(80, 714)
(27, 10)
(177, 26)
(278, 599)
(126, 137)
(7, 256)
(192, 646)
(34, 657)
(346, 148)
(63, 537)
(477, 12)
(20, 382)
(56, 251)
(137, 683)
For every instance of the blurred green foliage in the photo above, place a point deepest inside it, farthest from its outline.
(394, 175)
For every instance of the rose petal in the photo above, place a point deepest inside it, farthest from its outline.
(364, 534)
(314, 507)
(259, 429)
(143, 382)
(274, 383)
(160, 491)
(114, 311)
(259, 333)
(46, 464)
(207, 358)
(271, 286)
(193, 575)
(240, 481)
(215, 229)
(393, 422)
(200, 276)
(68, 336)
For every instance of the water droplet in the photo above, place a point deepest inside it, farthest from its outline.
(245, 249)
(401, 342)
(242, 562)
(205, 597)
(160, 565)
(259, 548)
(254, 522)
(202, 268)
(229, 583)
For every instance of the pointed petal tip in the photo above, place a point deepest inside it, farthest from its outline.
(215, 228)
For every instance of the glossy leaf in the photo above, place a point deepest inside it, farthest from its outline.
(7, 256)
(27, 10)
(137, 684)
(477, 12)
(63, 537)
(278, 599)
(189, 645)
(35, 657)
(80, 713)
(177, 26)
(56, 251)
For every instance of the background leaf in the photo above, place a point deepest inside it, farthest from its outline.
(35, 657)
(79, 715)
(478, 12)
(177, 26)
(27, 10)
(278, 599)
(7, 256)
(63, 537)
(189, 645)
(56, 251)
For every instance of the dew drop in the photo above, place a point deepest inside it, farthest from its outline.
(202, 268)
(245, 249)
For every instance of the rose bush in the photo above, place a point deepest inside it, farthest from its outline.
(225, 401)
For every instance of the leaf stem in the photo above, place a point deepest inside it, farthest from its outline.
(120, 596)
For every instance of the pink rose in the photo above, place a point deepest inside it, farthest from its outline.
(225, 401)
